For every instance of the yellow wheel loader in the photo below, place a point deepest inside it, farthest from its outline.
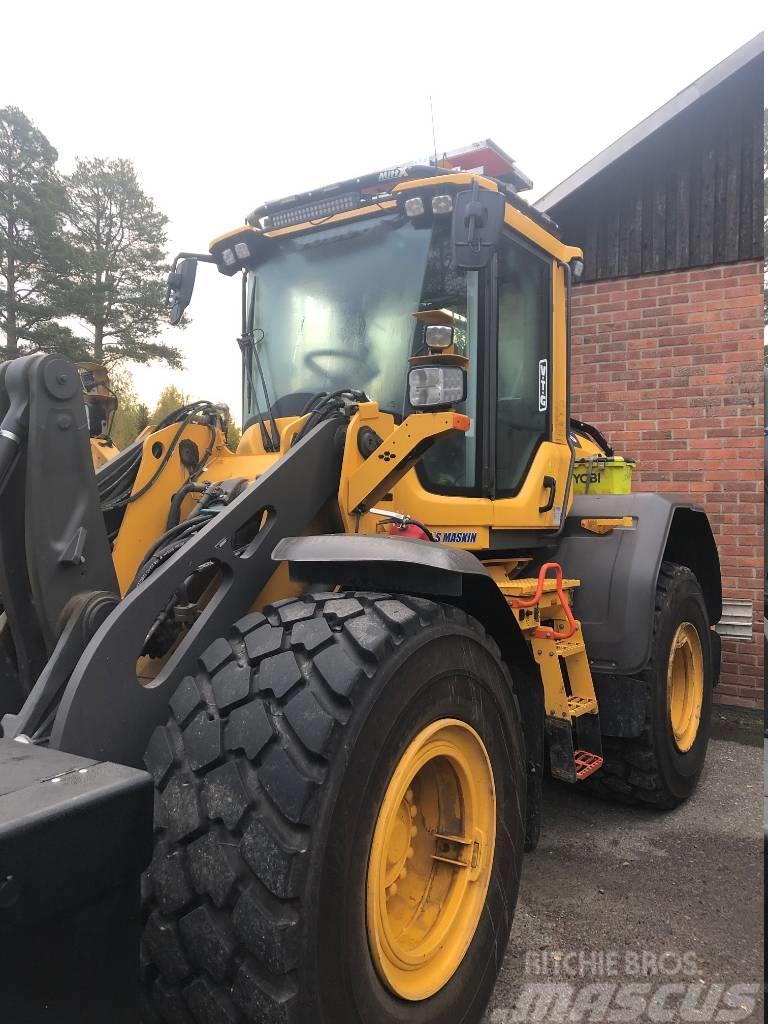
(100, 408)
(348, 651)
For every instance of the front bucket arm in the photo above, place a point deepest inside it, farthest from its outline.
(54, 551)
(105, 713)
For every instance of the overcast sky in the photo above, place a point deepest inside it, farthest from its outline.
(223, 106)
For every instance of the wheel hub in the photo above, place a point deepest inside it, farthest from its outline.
(685, 686)
(431, 860)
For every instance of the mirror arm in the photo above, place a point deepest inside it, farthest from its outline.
(201, 257)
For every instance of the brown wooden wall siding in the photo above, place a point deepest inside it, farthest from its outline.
(689, 196)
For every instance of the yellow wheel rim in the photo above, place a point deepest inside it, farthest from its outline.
(685, 685)
(431, 860)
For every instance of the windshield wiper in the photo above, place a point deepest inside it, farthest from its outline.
(247, 342)
(270, 437)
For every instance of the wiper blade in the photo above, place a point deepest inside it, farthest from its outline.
(271, 437)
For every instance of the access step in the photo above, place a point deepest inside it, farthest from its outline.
(586, 763)
(568, 648)
(578, 706)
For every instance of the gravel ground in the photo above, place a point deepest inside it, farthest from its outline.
(669, 903)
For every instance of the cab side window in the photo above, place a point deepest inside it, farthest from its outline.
(523, 362)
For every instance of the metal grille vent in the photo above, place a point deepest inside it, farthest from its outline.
(736, 622)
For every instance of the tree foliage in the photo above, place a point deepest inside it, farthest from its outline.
(127, 424)
(118, 273)
(170, 399)
(33, 249)
(233, 435)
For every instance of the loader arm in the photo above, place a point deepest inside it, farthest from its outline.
(97, 665)
(104, 686)
(54, 551)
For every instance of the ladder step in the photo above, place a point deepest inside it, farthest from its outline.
(586, 763)
(567, 648)
(582, 706)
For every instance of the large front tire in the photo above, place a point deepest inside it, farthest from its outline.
(279, 780)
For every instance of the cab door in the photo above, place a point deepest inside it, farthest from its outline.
(529, 456)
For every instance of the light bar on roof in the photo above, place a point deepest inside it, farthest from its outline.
(321, 209)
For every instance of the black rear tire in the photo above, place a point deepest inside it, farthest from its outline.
(269, 777)
(651, 770)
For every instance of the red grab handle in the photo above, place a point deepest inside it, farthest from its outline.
(520, 602)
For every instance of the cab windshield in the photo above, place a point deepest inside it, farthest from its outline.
(334, 309)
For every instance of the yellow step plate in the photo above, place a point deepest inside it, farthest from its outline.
(567, 648)
(578, 706)
(527, 587)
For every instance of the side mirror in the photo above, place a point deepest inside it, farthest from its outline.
(181, 284)
(478, 217)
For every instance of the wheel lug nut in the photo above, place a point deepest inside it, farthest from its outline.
(403, 874)
(392, 890)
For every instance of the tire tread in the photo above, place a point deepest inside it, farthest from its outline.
(238, 768)
(631, 773)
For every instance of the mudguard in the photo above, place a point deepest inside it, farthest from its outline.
(619, 571)
(405, 566)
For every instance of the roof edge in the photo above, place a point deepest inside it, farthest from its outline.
(641, 131)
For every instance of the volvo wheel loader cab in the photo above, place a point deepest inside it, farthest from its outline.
(348, 651)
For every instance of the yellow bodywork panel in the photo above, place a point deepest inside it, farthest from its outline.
(364, 484)
(603, 526)
(369, 481)
(146, 517)
(518, 512)
(102, 450)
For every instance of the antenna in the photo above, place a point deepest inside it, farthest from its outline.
(434, 135)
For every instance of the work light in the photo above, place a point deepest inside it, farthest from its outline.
(434, 386)
(442, 204)
(320, 209)
(414, 207)
(438, 336)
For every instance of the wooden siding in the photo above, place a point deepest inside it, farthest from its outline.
(691, 195)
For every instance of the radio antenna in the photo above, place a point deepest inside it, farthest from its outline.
(434, 134)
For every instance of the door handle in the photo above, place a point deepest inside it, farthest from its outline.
(551, 483)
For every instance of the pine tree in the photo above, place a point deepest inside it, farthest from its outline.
(169, 401)
(118, 237)
(233, 435)
(33, 249)
(142, 417)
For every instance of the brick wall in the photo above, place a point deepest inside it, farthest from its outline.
(670, 368)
